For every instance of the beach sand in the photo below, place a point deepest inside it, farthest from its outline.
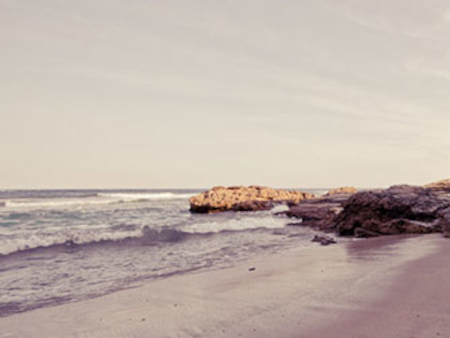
(391, 287)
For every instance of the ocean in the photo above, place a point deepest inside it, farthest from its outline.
(60, 246)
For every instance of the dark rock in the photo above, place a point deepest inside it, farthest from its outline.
(364, 233)
(318, 213)
(397, 210)
(252, 269)
(324, 240)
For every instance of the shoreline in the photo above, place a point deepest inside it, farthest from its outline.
(332, 291)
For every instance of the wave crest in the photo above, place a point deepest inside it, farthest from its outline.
(96, 199)
(83, 235)
(11, 244)
(144, 196)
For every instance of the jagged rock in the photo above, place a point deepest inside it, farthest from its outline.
(324, 240)
(251, 198)
(397, 210)
(318, 213)
(341, 190)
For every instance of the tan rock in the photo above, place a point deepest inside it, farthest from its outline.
(341, 190)
(443, 185)
(250, 198)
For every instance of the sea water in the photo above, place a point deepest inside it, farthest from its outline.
(61, 246)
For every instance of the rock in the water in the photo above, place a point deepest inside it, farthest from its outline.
(318, 213)
(314, 214)
(397, 210)
(324, 240)
(251, 198)
(342, 190)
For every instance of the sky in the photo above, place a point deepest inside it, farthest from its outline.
(192, 94)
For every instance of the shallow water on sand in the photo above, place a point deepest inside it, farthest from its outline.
(68, 245)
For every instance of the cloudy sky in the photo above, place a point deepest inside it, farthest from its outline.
(154, 94)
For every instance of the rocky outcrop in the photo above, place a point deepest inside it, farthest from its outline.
(251, 198)
(318, 213)
(397, 210)
(341, 190)
(443, 186)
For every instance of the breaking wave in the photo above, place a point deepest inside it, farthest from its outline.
(95, 235)
(12, 244)
(248, 223)
(144, 196)
(51, 203)
(96, 199)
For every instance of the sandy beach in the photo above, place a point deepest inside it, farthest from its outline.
(384, 287)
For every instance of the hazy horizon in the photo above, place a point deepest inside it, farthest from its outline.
(170, 94)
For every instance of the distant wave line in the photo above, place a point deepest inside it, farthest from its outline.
(100, 198)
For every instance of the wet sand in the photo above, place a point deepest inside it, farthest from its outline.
(382, 287)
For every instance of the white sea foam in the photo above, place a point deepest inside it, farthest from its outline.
(279, 208)
(23, 203)
(12, 243)
(83, 234)
(144, 196)
(247, 223)
(101, 198)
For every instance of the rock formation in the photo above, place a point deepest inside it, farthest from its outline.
(397, 210)
(318, 213)
(341, 190)
(251, 198)
(443, 186)
(323, 240)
